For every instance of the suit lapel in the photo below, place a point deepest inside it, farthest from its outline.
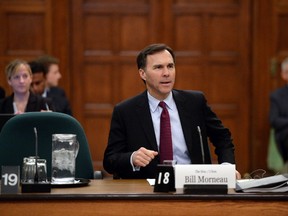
(191, 118)
(185, 119)
(143, 111)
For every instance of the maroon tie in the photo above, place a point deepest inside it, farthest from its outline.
(166, 151)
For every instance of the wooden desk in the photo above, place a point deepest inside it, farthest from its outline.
(136, 197)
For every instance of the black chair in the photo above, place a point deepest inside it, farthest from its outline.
(17, 140)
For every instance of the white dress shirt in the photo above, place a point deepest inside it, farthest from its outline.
(180, 151)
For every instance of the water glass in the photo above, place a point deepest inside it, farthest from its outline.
(29, 170)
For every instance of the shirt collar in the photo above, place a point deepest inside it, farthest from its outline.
(45, 92)
(153, 102)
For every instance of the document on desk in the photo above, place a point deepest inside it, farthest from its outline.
(277, 183)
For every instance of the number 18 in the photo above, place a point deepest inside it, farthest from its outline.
(165, 179)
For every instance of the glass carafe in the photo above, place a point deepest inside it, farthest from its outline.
(64, 152)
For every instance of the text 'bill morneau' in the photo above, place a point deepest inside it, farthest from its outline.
(203, 179)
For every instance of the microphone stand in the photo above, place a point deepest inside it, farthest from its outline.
(201, 144)
(37, 186)
(36, 178)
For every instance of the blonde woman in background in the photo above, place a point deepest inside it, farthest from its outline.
(19, 77)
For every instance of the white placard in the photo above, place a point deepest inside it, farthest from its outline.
(212, 174)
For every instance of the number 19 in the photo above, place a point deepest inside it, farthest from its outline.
(10, 179)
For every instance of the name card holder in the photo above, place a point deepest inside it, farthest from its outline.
(165, 180)
(205, 189)
(36, 187)
(205, 179)
(10, 176)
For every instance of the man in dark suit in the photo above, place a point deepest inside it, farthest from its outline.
(59, 99)
(132, 150)
(279, 113)
(52, 75)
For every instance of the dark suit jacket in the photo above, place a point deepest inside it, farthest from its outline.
(2, 93)
(59, 99)
(132, 128)
(35, 103)
(279, 118)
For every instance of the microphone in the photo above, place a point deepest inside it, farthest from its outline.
(201, 144)
(36, 155)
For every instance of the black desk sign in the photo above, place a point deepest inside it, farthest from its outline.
(10, 179)
(165, 179)
(205, 189)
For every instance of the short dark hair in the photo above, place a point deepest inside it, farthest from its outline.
(149, 50)
(47, 61)
(37, 67)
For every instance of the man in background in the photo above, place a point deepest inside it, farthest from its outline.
(53, 75)
(38, 79)
(279, 114)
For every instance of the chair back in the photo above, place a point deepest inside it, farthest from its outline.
(17, 140)
(274, 158)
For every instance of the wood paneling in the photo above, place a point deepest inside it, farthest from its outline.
(22, 32)
(32, 28)
(112, 33)
(209, 38)
(136, 197)
(223, 48)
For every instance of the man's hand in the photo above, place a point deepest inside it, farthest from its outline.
(142, 157)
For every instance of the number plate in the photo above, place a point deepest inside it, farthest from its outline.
(165, 180)
(10, 179)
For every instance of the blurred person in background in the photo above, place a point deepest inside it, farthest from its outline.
(19, 77)
(279, 115)
(38, 78)
(53, 75)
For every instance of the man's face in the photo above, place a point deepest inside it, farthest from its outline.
(159, 74)
(53, 75)
(38, 83)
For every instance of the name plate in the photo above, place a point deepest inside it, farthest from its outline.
(10, 179)
(204, 174)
